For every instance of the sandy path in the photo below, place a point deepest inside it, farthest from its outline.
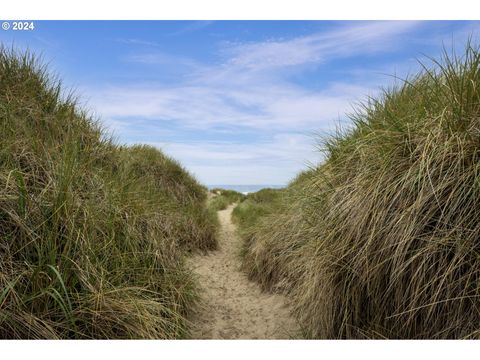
(234, 307)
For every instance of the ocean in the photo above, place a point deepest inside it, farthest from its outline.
(246, 189)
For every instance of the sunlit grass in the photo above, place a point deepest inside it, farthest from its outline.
(381, 240)
(222, 198)
(92, 234)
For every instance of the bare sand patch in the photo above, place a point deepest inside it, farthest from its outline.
(233, 306)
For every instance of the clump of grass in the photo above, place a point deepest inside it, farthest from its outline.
(221, 198)
(265, 218)
(381, 240)
(255, 205)
(218, 203)
(92, 234)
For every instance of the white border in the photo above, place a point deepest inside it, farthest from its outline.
(240, 349)
(240, 10)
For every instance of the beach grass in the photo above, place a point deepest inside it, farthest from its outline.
(93, 234)
(380, 240)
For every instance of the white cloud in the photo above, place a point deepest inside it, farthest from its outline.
(263, 162)
(359, 38)
(250, 91)
(282, 108)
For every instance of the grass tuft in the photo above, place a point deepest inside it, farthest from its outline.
(221, 198)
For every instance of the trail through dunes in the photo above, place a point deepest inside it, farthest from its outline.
(233, 306)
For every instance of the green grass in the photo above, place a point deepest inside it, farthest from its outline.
(255, 205)
(381, 239)
(93, 235)
(222, 198)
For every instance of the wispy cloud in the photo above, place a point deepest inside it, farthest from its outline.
(193, 26)
(263, 106)
(248, 89)
(132, 41)
(164, 59)
(251, 89)
(366, 38)
(236, 163)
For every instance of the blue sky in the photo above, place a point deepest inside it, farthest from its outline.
(237, 102)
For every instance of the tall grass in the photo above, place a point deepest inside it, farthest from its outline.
(382, 239)
(92, 234)
(255, 205)
(221, 198)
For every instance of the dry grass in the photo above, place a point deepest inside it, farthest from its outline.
(382, 239)
(92, 234)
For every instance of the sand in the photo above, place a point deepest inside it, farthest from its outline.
(234, 307)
